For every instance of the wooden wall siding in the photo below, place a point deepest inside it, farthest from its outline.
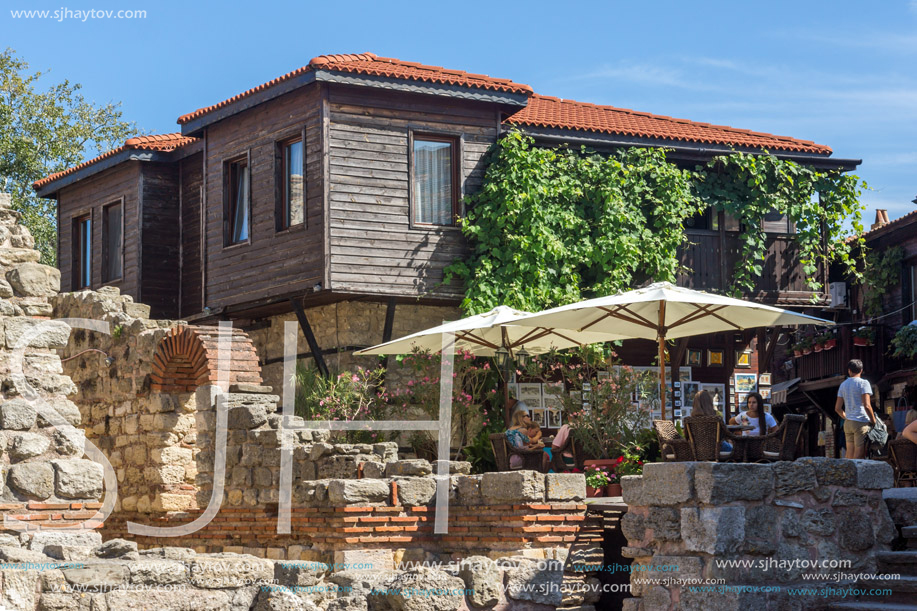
(160, 239)
(89, 196)
(192, 172)
(373, 248)
(272, 264)
(704, 257)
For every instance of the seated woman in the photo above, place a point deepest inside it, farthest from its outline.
(516, 436)
(910, 432)
(754, 415)
(703, 406)
(560, 445)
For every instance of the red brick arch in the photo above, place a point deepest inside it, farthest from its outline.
(187, 358)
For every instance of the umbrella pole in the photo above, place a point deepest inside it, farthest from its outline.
(661, 340)
(662, 374)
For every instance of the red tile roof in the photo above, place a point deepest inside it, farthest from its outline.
(158, 142)
(894, 224)
(544, 111)
(372, 65)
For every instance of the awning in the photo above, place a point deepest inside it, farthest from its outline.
(781, 390)
(822, 383)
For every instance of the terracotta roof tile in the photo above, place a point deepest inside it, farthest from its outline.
(158, 142)
(371, 65)
(544, 111)
(893, 224)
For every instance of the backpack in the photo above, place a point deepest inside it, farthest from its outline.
(877, 436)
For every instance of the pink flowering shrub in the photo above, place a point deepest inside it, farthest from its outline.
(346, 396)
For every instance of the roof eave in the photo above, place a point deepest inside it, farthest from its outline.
(195, 126)
(682, 149)
(50, 190)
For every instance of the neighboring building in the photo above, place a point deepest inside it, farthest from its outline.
(332, 192)
(813, 378)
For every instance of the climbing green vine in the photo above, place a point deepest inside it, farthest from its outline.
(884, 272)
(551, 226)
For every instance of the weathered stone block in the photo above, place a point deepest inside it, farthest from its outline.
(416, 490)
(718, 483)
(27, 445)
(78, 479)
(874, 474)
(229, 570)
(665, 522)
(534, 581)
(793, 477)
(158, 572)
(849, 498)
(373, 469)
(713, 530)
(632, 490)
(513, 486)
(832, 471)
(34, 280)
(35, 333)
(633, 527)
(854, 529)
(247, 416)
(668, 483)
(346, 492)
(482, 576)
(364, 560)
(818, 522)
(17, 415)
(467, 489)
(34, 479)
(416, 467)
(565, 486)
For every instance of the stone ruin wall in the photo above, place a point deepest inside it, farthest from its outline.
(684, 518)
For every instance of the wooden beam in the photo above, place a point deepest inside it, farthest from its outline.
(389, 320)
(769, 349)
(310, 338)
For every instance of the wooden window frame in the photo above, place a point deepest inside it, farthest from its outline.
(228, 205)
(76, 256)
(105, 253)
(280, 183)
(456, 140)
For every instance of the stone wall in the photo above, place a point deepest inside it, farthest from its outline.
(343, 326)
(694, 516)
(44, 479)
(88, 575)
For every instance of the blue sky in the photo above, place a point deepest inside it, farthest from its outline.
(839, 73)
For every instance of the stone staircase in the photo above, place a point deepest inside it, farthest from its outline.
(904, 590)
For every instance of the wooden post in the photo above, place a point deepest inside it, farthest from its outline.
(310, 339)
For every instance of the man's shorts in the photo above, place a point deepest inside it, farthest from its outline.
(855, 433)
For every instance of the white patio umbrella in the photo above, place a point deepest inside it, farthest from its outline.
(489, 334)
(663, 311)
(484, 334)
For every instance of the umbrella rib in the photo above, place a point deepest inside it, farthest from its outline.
(531, 335)
(471, 337)
(637, 319)
(700, 312)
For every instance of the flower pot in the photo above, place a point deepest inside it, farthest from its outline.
(818, 347)
(807, 351)
(797, 353)
(860, 341)
(594, 492)
(613, 490)
(830, 344)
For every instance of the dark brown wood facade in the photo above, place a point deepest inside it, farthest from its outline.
(88, 197)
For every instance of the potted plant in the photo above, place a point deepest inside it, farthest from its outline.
(806, 344)
(818, 343)
(828, 340)
(864, 336)
(905, 342)
(614, 486)
(597, 477)
(797, 348)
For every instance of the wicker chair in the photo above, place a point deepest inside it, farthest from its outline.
(903, 454)
(779, 444)
(557, 460)
(531, 459)
(672, 446)
(704, 436)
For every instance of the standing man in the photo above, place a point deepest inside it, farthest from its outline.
(853, 405)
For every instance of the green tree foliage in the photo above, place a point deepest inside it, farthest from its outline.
(551, 226)
(45, 129)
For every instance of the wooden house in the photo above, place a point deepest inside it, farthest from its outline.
(330, 194)
(813, 378)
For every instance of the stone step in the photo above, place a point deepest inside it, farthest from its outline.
(904, 590)
(909, 532)
(904, 563)
(871, 606)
